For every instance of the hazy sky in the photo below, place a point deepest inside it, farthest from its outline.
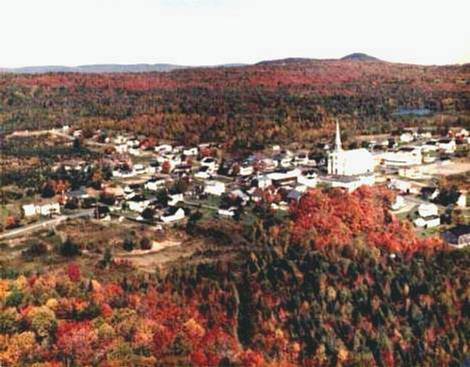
(204, 32)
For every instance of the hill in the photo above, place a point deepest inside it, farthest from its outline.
(272, 101)
(358, 56)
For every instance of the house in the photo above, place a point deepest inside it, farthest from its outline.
(429, 193)
(284, 178)
(191, 151)
(204, 173)
(350, 183)
(174, 199)
(308, 178)
(213, 187)
(230, 212)
(209, 162)
(155, 184)
(427, 222)
(462, 201)
(458, 236)
(172, 216)
(138, 203)
(139, 169)
(427, 209)
(135, 152)
(400, 185)
(45, 210)
(29, 210)
(430, 146)
(121, 148)
(49, 209)
(399, 203)
(163, 148)
(262, 182)
(245, 170)
(447, 145)
(301, 159)
(406, 137)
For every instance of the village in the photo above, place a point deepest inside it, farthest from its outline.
(136, 180)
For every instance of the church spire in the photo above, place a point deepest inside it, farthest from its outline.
(338, 137)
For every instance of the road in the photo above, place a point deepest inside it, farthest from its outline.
(45, 224)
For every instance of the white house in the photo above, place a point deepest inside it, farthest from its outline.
(213, 187)
(349, 162)
(427, 222)
(176, 216)
(245, 170)
(427, 209)
(400, 185)
(163, 148)
(308, 179)
(191, 151)
(447, 145)
(399, 203)
(138, 204)
(349, 183)
(29, 210)
(209, 162)
(46, 210)
(462, 201)
(406, 138)
(301, 159)
(174, 199)
(263, 182)
(121, 148)
(154, 184)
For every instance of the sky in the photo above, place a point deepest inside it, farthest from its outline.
(211, 32)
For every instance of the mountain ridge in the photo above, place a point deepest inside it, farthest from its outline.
(167, 67)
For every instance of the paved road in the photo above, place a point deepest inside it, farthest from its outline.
(45, 224)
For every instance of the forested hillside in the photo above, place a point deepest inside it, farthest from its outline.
(274, 101)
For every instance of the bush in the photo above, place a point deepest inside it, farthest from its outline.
(128, 244)
(69, 249)
(35, 249)
(145, 244)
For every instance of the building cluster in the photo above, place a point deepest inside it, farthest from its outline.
(156, 182)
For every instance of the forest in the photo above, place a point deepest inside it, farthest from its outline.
(287, 296)
(278, 101)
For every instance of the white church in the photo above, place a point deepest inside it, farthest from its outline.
(349, 168)
(349, 162)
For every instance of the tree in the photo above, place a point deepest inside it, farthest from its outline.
(145, 244)
(166, 167)
(69, 248)
(73, 272)
(128, 244)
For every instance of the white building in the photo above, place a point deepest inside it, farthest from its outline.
(176, 216)
(216, 188)
(349, 183)
(349, 162)
(406, 138)
(427, 209)
(399, 203)
(31, 210)
(406, 156)
(155, 184)
(447, 145)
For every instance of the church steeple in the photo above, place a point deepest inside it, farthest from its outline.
(338, 138)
